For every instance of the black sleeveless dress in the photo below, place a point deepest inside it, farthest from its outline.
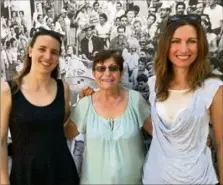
(40, 155)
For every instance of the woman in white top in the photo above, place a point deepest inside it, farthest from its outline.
(184, 98)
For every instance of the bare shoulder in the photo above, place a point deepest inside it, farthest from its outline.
(5, 94)
(5, 89)
(219, 94)
(217, 100)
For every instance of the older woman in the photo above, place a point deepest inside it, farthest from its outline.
(111, 119)
(184, 98)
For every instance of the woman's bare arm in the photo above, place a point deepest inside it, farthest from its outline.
(5, 111)
(216, 110)
(148, 126)
(70, 129)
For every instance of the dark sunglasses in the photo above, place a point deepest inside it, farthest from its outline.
(189, 17)
(111, 68)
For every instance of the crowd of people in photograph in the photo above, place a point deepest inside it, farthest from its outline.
(88, 27)
(138, 43)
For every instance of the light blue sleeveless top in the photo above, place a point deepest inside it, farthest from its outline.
(179, 155)
(113, 154)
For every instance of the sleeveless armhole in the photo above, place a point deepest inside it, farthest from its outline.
(210, 88)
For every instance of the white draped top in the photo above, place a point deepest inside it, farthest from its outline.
(176, 102)
(179, 154)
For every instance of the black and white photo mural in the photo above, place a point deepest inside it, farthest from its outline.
(90, 26)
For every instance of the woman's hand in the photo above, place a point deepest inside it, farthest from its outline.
(86, 92)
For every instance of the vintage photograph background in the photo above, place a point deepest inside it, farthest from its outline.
(89, 26)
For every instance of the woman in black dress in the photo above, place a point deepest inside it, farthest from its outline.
(34, 106)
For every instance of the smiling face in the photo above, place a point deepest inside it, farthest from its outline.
(183, 47)
(107, 80)
(199, 8)
(44, 54)
(180, 10)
